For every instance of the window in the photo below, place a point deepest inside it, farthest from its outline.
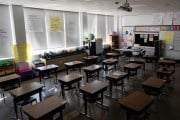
(35, 28)
(101, 27)
(55, 29)
(6, 40)
(72, 29)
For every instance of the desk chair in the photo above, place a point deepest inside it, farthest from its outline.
(128, 54)
(7, 88)
(29, 100)
(90, 104)
(38, 63)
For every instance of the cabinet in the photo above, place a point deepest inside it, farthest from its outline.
(96, 47)
(7, 66)
(63, 59)
(114, 41)
(158, 49)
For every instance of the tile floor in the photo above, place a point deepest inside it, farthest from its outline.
(166, 108)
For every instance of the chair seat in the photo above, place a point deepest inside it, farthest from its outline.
(10, 87)
(93, 99)
(27, 101)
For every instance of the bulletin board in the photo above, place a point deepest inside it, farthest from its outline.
(146, 39)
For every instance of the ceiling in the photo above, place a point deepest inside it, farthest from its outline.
(101, 6)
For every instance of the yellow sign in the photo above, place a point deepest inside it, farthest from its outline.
(55, 24)
(22, 52)
(168, 37)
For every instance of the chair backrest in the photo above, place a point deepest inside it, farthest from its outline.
(128, 54)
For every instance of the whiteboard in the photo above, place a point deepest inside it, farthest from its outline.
(177, 40)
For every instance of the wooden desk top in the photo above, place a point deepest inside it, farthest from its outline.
(165, 70)
(137, 101)
(69, 78)
(139, 60)
(128, 50)
(167, 61)
(132, 66)
(110, 60)
(90, 57)
(154, 82)
(73, 63)
(117, 75)
(43, 108)
(25, 89)
(112, 54)
(93, 87)
(92, 68)
(47, 67)
(9, 77)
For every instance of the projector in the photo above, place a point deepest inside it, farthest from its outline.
(125, 7)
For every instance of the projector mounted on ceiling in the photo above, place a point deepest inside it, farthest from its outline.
(125, 7)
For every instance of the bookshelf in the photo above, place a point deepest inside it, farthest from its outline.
(114, 41)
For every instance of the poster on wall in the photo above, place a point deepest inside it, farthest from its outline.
(168, 18)
(176, 18)
(167, 37)
(22, 52)
(35, 23)
(128, 36)
(55, 24)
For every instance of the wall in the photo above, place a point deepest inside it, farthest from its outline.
(143, 20)
(137, 20)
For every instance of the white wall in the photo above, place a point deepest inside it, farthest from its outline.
(137, 20)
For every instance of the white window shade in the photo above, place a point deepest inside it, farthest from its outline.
(6, 40)
(72, 29)
(91, 24)
(55, 29)
(101, 27)
(35, 28)
(109, 26)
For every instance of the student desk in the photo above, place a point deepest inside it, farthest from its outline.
(153, 86)
(150, 58)
(114, 79)
(136, 103)
(167, 63)
(10, 79)
(89, 60)
(26, 90)
(7, 81)
(91, 91)
(89, 70)
(112, 55)
(45, 109)
(132, 68)
(73, 65)
(43, 70)
(138, 61)
(164, 72)
(68, 80)
(109, 62)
